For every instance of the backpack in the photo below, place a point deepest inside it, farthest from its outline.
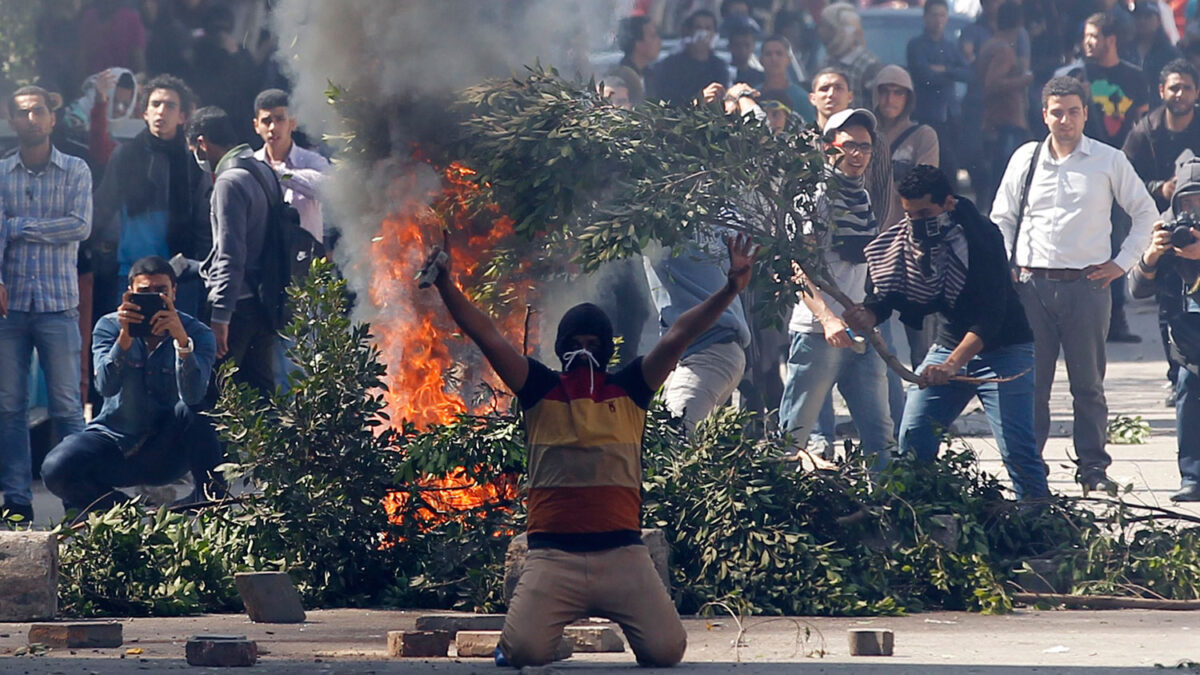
(288, 249)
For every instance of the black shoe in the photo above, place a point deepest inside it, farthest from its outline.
(1097, 481)
(18, 513)
(1123, 334)
(1187, 493)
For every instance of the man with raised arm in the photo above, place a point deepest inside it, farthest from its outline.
(584, 430)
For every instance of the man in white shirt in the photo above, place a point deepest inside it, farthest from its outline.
(301, 172)
(1056, 229)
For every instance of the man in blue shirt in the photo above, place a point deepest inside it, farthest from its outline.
(47, 201)
(148, 432)
(936, 64)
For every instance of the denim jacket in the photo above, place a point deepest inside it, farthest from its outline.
(141, 390)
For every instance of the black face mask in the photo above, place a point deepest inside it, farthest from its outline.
(931, 230)
(584, 319)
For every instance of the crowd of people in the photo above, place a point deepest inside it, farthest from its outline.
(1068, 121)
(145, 242)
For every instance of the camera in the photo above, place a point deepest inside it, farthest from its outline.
(1181, 230)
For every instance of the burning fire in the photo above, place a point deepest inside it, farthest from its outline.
(430, 375)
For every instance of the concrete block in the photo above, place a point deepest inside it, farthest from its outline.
(77, 635)
(454, 622)
(594, 639)
(28, 576)
(518, 548)
(871, 642)
(483, 643)
(269, 597)
(418, 643)
(476, 643)
(222, 651)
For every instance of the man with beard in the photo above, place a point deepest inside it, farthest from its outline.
(584, 427)
(153, 200)
(47, 198)
(1158, 144)
(946, 258)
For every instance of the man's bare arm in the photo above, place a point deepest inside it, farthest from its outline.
(508, 362)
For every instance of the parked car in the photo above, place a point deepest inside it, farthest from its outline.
(888, 31)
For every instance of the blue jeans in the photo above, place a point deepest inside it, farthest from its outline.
(1008, 405)
(84, 468)
(56, 337)
(1187, 425)
(813, 367)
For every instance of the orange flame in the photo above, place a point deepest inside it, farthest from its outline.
(430, 374)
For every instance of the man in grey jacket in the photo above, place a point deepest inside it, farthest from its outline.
(240, 211)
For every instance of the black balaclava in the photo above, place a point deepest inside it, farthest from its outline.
(585, 319)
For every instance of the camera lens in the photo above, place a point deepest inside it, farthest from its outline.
(1181, 235)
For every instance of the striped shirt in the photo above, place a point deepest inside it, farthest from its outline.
(46, 215)
(584, 432)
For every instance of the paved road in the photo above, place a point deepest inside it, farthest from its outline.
(941, 643)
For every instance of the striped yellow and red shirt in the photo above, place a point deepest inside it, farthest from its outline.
(584, 434)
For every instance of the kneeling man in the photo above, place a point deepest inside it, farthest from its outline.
(584, 430)
(147, 432)
(945, 257)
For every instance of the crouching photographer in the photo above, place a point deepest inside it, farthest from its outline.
(152, 366)
(1171, 267)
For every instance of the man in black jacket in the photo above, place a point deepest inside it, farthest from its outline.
(153, 200)
(1166, 268)
(1156, 146)
(945, 257)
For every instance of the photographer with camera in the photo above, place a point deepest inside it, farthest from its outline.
(1171, 265)
(152, 367)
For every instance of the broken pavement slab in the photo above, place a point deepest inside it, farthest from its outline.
(77, 635)
(28, 576)
(221, 651)
(594, 639)
(270, 597)
(418, 643)
(455, 622)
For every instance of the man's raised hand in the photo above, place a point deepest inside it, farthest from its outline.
(742, 250)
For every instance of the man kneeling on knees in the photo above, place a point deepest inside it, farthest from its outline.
(584, 431)
(152, 365)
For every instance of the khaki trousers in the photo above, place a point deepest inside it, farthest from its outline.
(621, 584)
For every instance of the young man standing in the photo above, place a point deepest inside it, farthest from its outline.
(1057, 232)
(936, 64)
(147, 432)
(47, 201)
(640, 44)
(821, 353)
(584, 429)
(232, 271)
(679, 78)
(946, 258)
(1159, 143)
(301, 172)
(153, 200)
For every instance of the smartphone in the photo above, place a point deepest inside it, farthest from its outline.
(150, 304)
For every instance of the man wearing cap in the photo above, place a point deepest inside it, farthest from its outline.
(1053, 207)
(47, 198)
(946, 258)
(823, 351)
